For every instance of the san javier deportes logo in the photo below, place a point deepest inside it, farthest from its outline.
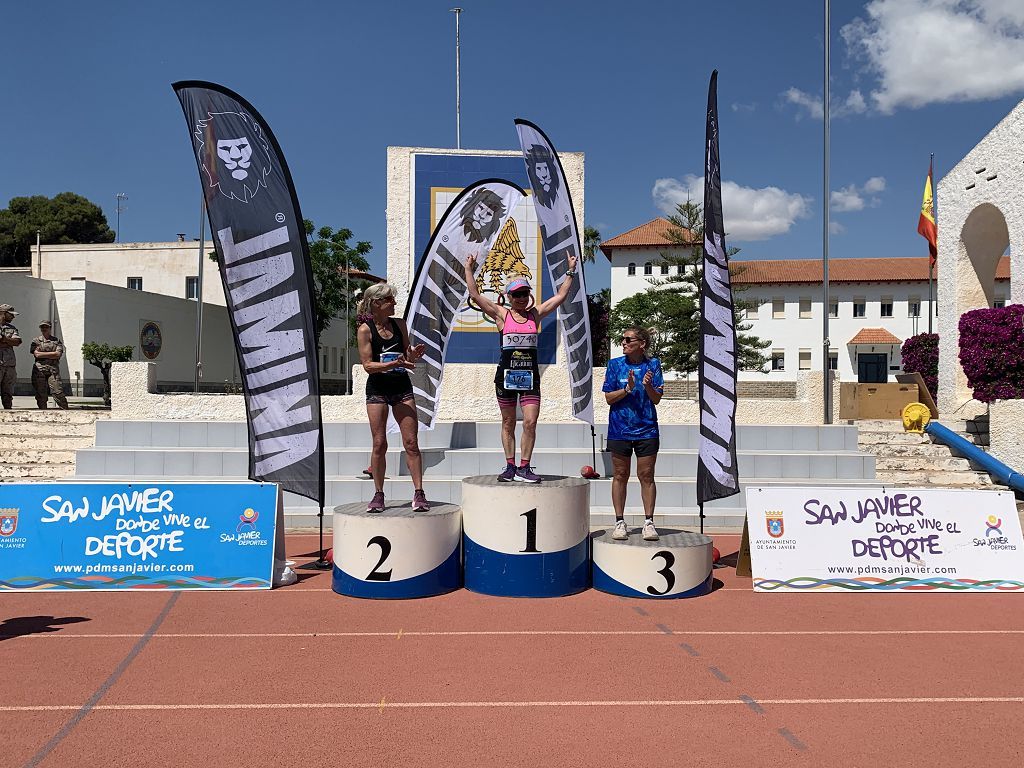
(994, 538)
(245, 534)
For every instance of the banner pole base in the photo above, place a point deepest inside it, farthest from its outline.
(323, 564)
(701, 517)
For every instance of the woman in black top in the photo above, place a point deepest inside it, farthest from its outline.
(386, 354)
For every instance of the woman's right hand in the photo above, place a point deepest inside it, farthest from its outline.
(630, 381)
(401, 362)
(471, 264)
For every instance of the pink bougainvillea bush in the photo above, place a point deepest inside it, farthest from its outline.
(992, 352)
(921, 355)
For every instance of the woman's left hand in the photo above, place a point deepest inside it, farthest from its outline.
(572, 261)
(415, 353)
(648, 378)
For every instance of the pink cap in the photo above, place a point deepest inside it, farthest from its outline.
(518, 284)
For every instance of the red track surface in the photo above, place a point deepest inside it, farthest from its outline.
(301, 675)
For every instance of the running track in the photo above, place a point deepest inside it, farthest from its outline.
(301, 676)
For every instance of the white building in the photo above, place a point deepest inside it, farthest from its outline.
(109, 292)
(875, 304)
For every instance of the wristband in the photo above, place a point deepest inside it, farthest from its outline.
(571, 273)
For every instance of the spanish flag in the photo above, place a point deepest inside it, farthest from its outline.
(926, 224)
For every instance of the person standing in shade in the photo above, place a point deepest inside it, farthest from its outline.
(386, 355)
(633, 386)
(47, 349)
(9, 339)
(518, 375)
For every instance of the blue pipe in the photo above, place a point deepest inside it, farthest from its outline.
(999, 471)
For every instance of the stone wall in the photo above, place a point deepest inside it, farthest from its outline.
(468, 395)
(763, 390)
(1005, 428)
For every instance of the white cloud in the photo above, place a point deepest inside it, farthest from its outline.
(812, 106)
(740, 107)
(928, 51)
(750, 214)
(854, 198)
(835, 228)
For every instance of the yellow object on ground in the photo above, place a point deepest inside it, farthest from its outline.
(915, 417)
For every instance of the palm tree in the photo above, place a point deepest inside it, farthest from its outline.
(591, 242)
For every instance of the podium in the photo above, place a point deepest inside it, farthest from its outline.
(526, 539)
(678, 565)
(397, 553)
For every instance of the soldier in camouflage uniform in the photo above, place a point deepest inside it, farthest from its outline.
(47, 350)
(9, 339)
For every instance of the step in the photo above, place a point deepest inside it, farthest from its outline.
(52, 416)
(891, 438)
(38, 457)
(923, 478)
(36, 471)
(43, 442)
(920, 463)
(887, 450)
(44, 428)
(877, 425)
(350, 463)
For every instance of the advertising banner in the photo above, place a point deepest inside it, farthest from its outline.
(74, 536)
(263, 255)
(876, 539)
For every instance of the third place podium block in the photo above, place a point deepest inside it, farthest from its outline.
(526, 539)
(396, 553)
(678, 565)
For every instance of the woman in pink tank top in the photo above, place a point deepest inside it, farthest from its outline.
(517, 380)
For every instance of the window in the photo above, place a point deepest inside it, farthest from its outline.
(778, 360)
(805, 308)
(860, 306)
(751, 311)
(833, 307)
(833, 359)
(325, 359)
(680, 268)
(135, 283)
(914, 306)
(778, 309)
(885, 307)
(999, 303)
(78, 278)
(805, 359)
(191, 287)
(631, 268)
(648, 268)
(664, 268)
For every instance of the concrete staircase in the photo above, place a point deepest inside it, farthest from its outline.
(41, 445)
(908, 459)
(775, 455)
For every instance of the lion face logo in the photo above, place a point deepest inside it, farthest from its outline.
(481, 215)
(234, 154)
(540, 165)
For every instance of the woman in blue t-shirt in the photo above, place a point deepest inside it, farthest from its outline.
(633, 386)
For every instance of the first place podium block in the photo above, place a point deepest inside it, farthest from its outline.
(397, 553)
(526, 539)
(678, 565)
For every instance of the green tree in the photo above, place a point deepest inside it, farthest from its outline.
(672, 304)
(103, 356)
(599, 305)
(67, 218)
(591, 242)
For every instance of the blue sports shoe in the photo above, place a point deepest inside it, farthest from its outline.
(508, 475)
(526, 475)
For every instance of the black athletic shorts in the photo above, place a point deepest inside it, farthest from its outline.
(648, 447)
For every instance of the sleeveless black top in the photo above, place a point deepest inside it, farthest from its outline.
(395, 381)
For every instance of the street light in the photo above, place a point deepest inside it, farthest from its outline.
(121, 206)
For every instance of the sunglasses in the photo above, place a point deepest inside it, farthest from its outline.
(629, 339)
(519, 294)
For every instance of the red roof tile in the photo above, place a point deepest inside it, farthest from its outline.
(887, 270)
(650, 234)
(874, 336)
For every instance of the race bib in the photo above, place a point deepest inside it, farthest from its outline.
(388, 357)
(518, 380)
(519, 341)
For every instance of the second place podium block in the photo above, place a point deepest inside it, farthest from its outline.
(396, 553)
(526, 539)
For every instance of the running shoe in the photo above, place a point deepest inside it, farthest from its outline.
(650, 532)
(419, 501)
(620, 533)
(377, 503)
(526, 475)
(508, 475)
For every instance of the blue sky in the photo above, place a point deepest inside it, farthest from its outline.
(89, 108)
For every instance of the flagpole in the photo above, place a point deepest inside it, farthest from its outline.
(826, 344)
(199, 297)
(931, 266)
(458, 87)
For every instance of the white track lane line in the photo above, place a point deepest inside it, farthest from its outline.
(521, 632)
(382, 705)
